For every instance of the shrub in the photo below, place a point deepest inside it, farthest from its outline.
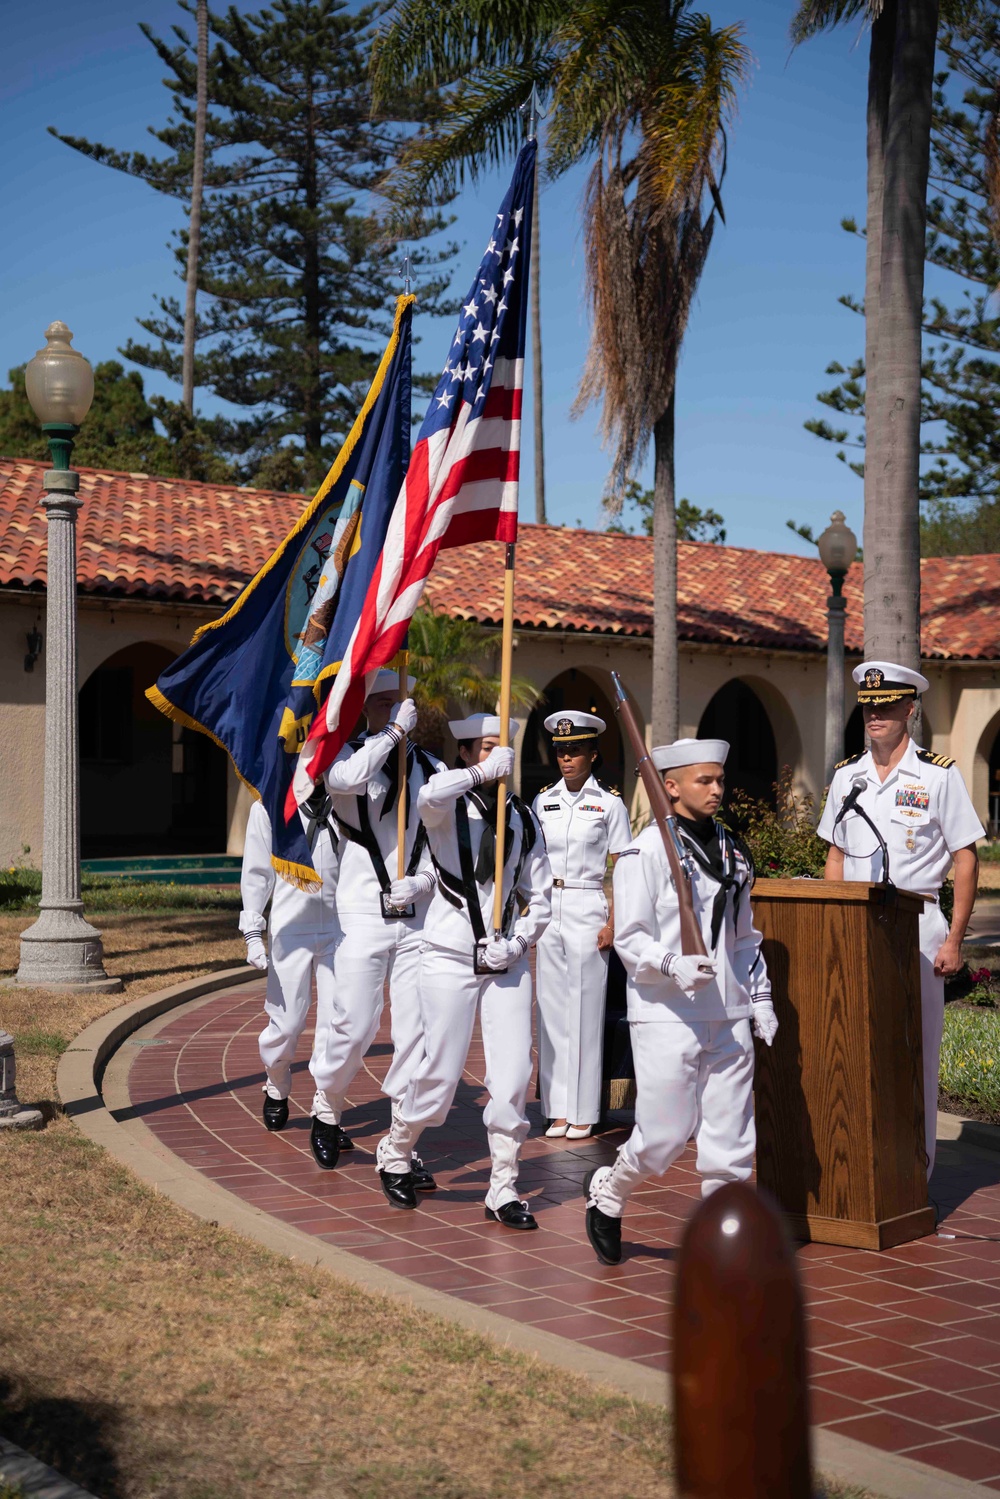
(782, 838)
(17, 884)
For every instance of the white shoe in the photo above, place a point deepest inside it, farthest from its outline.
(556, 1131)
(578, 1132)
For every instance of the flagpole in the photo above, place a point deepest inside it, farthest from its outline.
(506, 669)
(403, 661)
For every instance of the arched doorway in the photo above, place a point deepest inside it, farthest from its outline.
(147, 786)
(993, 824)
(854, 732)
(737, 715)
(570, 689)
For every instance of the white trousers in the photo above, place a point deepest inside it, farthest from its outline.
(571, 980)
(450, 992)
(295, 957)
(369, 952)
(691, 1079)
(933, 931)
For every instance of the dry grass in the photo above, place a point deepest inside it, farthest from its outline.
(148, 1355)
(146, 952)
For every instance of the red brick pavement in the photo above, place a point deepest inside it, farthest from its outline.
(905, 1344)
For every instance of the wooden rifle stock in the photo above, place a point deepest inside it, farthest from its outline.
(692, 942)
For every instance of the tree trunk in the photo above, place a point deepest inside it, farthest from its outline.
(536, 356)
(194, 227)
(892, 513)
(666, 694)
(879, 82)
(312, 378)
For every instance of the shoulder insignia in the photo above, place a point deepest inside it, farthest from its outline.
(851, 760)
(612, 790)
(930, 758)
(626, 851)
(548, 787)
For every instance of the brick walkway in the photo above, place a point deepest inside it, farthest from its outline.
(906, 1344)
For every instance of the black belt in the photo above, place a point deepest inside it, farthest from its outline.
(364, 835)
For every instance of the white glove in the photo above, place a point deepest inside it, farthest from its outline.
(498, 763)
(404, 716)
(502, 951)
(256, 951)
(765, 1021)
(410, 888)
(690, 973)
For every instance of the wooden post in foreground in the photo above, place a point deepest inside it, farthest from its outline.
(740, 1394)
(506, 670)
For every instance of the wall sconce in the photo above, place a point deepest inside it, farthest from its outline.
(34, 639)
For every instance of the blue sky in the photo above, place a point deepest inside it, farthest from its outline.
(90, 245)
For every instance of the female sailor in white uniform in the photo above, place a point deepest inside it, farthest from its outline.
(584, 824)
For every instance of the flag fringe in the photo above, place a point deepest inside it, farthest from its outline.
(299, 875)
(350, 443)
(170, 710)
(621, 1093)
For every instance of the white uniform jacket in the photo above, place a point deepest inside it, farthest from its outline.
(922, 810)
(647, 928)
(360, 771)
(581, 829)
(448, 925)
(291, 908)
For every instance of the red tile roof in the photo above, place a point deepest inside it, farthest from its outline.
(170, 539)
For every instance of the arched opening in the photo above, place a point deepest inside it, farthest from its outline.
(986, 777)
(854, 732)
(570, 689)
(147, 786)
(737, 715)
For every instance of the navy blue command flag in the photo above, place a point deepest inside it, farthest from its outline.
(252, 680)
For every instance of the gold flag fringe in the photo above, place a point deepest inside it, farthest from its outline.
(299, 875)
(178, 715)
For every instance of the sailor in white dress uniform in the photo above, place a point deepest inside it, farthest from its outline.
(302, 932)
(459, 810)
(919, 803)
(585, 823)
(691, 1018)
(362, 782)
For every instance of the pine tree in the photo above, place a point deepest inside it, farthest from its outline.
(122, 430)
(298, 265)
(960, 486)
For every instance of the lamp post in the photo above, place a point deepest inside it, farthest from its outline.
(838, 547)
(61, 950)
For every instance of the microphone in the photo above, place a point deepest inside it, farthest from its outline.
(850, 804)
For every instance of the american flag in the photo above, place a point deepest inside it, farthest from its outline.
(461, 484)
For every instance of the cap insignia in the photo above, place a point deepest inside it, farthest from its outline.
(874, 678)
(565, 726)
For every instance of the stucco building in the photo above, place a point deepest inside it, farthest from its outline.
(158, 557)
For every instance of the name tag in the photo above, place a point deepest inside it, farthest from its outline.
(551, 807)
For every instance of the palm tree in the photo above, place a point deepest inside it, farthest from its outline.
(449, 658)
(642, 91)
(900, 97)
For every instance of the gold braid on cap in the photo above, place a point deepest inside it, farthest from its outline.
(877, 690)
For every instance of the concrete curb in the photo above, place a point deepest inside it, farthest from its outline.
(108, 1120)
(968, 1131)
(34, 1478)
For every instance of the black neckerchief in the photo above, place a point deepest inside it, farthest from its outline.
(713, 850)
(487, 799)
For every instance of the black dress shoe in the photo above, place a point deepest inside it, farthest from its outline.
(603, 1231)
(275, 1112)
(325, 1142)
(344, 1139)
(422, 1179)
(512, 1215)
(398, 1188)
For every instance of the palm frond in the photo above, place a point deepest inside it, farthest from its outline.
(814, 16)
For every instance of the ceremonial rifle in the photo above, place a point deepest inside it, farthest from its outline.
(692, 942)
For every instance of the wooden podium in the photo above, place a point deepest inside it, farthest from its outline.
(839, 1096)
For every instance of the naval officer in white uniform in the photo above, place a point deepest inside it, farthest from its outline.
(918, 802)
(585, 823)
(459, 810)
(302, 933)
(692, 1019)
(362, 782)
